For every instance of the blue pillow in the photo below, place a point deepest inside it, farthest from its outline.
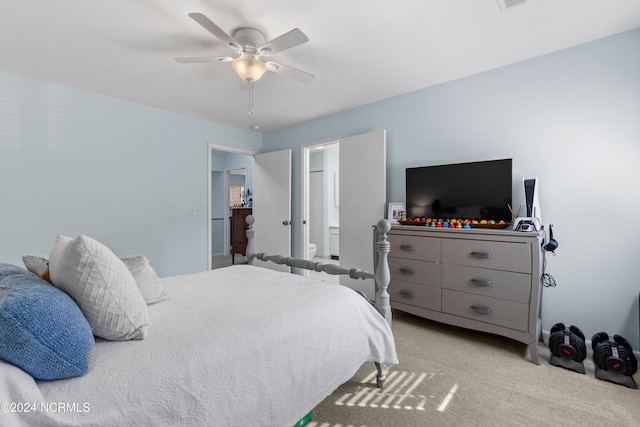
(42, 330)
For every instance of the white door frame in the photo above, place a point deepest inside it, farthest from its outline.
(305, 150)
(211, 147)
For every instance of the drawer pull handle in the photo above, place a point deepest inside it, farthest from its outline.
(481, 255)
(407, 270)
(481, 282)
(408, 248)
(482, 309)
(407, 294)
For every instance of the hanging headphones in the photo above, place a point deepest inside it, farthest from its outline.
(615, 356)
(567, 343)
(552, 244)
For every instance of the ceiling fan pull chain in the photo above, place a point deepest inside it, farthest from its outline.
(250, 97)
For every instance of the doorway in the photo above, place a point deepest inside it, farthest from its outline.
(320, 174)
(356, 190)
(225, 165)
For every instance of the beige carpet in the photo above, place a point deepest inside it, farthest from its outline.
(451, 376)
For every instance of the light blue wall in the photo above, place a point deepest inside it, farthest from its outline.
(239, 161)
(219, 213)
(571, 118)
(74, 162)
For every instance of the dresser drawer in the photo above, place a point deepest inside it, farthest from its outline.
(488, 254)
(415, 247)
(505, 285)
(414, 271)
(428, 297)
(508, 314)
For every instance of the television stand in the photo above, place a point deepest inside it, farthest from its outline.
(482, 279)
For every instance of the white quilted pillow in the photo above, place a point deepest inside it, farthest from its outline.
(144, 274)
(146, 278)
(101, 285)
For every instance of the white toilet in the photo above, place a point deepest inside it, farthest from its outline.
(312, 250)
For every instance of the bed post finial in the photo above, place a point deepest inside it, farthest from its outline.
(383, 275)
(250, 234)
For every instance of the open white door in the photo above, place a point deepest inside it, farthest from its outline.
(272, 205)
(362, 202)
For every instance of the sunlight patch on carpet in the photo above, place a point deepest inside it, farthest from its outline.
(401, 391)
(447, 398)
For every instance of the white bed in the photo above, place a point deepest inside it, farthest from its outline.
(237, 346)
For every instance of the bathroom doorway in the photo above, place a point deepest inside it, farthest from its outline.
(355, 192)
(320, 174)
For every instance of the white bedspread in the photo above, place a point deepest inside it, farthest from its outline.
(238, 346)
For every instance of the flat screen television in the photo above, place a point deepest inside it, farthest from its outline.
(480, 190)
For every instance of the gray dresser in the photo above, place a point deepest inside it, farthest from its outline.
(482, 279)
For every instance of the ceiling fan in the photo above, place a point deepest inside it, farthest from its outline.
(252, 51)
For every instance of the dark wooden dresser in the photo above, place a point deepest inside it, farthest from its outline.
(239, 231)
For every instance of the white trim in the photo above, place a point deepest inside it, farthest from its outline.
(210, 148)
(229, 149)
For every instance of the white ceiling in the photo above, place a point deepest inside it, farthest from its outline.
(360, 51)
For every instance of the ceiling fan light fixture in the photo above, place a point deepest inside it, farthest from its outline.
(248, 68)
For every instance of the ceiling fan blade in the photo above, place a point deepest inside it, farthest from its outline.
(195, 59)
(215, 30)
(286, 41)
(294, 73)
